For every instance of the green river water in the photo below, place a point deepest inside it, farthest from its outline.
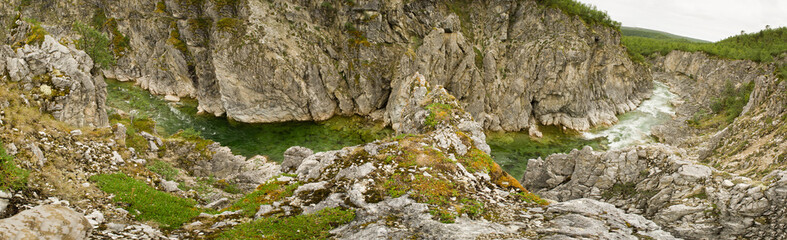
(511, 150)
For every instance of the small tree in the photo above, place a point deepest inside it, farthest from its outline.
(95, 44)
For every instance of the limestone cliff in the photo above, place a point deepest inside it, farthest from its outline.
(751, 145)
(59, 78)
(511, 64)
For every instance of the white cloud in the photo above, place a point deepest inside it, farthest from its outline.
(711, 20)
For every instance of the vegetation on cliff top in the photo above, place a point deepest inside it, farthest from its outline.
(654, 34)
(588, 13)
(763, 46)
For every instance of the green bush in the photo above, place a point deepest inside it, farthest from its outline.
(11, 176)
(145, 202)
(164, 169)
(36, 34)
(732, 101)
(95, 44)
(311, 226)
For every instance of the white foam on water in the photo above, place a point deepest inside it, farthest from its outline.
(634, 127)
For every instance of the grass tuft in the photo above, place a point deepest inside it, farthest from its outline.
(311, 226)
(145, 202)
(164, 169)
(11, 176)
(265, 194)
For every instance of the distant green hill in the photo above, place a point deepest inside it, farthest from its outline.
(762, 46)
(649, 33)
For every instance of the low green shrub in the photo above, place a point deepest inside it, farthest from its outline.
(311, 226)
(146, 203)
(11, 176)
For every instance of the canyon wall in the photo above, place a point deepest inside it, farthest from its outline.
(511, 64)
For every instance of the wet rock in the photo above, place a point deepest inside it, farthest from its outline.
(46, 222)
(171, 98)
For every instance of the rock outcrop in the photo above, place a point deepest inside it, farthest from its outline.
(434, 182)
(58, 77)
(46, 222)
(752, 145)
(510, 64)
(662, 183)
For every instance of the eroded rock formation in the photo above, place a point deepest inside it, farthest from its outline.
(511, 64)
(59, 76)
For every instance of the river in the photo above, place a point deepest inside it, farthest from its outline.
(633, 128)
(511, 150)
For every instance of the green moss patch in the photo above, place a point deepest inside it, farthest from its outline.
(146, 203)
(264, 194)
(11, 176)
(164, 169)
(311, 226)
(438, 113)
(228, 25)
(36, 34)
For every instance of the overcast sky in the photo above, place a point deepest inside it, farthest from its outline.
(710, 20)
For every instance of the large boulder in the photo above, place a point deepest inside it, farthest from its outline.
(293, 158)
(48, 222)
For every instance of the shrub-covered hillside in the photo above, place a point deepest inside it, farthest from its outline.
(763, 46)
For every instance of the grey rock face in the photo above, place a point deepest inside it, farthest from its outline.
(247, 173)
(46, 222)
(511, 64)
(61, 78)
(691, 200)
(590, 219)
(293, 158)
